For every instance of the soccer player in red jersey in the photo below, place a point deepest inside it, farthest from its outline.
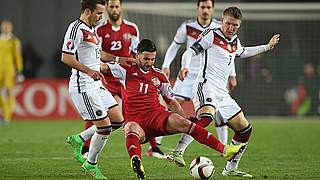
(146, 118)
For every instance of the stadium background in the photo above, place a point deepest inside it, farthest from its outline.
(267, 87)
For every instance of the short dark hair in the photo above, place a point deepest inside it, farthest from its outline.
(90, 4)
(198, 3)
(113, 0)
(146, 45)
(233, 11)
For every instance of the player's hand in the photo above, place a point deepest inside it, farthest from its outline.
(96, 75)
(232, 82)
(20, 78)
(125, 61)
(183, 73)
(166, 71)
(273, 41)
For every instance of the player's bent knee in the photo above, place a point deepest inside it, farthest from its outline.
(116, 125)
(104, 130)
(206, 110)
(243, 135)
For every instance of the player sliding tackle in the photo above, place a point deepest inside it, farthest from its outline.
(146, 118)
(219, 47)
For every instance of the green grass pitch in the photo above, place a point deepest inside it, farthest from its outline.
(279, 149)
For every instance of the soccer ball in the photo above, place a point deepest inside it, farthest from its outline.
(201, 168)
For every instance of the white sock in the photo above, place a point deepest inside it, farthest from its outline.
(222, 133)
(184, 143)
(159, 140)
(88, 133)
(97, 143)
(233, 165)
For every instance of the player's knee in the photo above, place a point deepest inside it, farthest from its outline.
(243, 135)
(206, 111)
(116, 125)
(104, 130)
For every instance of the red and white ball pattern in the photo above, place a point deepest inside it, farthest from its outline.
(201, 168)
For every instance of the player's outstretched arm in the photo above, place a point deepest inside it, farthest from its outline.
(274, 41)
(107, 57)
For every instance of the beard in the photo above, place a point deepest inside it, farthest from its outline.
(114, 16)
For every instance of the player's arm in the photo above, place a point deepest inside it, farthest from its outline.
(170, 55)
(179, 38)
(18, 61)
(71, 61)
(232, 80)
(107, 57)
(246, 52)
(115, 68)
(167, 94)
(203, 43)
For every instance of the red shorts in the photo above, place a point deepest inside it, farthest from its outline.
(152, 122)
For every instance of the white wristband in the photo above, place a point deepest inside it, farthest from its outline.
(117, 59)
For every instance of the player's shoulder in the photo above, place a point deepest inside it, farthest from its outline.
(215, 23)
(158, 72)
(130, 24)
(102, 25)
(189, 22)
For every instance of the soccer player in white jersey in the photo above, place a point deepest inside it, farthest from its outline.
(218, 49)
(80, 51)
(188, 33)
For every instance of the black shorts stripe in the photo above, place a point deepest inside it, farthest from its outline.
(112, 106)
(88, 105)
(74, 30)
(200, 93)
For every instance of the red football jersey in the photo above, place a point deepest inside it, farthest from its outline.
(142, 88)
(122, 42)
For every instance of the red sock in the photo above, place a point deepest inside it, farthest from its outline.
(87, 125)
(205, 137)
(133, 145)
(204, 121)
(153, 143)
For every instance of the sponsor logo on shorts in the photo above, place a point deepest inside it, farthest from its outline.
(99, 113)
(209, 100)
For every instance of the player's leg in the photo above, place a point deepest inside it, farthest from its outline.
(242, 129)
(7, 96)
(205, 117)
(86, 144)
(222, 129)
(134, 135)
(91, 107)
(155, 143)
(233, 116)
(154, 150)
(178, 124)
(115, 113)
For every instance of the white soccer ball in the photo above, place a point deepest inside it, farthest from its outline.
(201, 168)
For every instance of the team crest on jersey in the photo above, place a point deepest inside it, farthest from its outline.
(127, 36)
(70, 45)
(155, 81)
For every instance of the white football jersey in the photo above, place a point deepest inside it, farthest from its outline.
(83, 42)
(188, 33)
(218, 55)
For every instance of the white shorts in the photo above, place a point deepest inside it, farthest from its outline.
(226, 107)
(93, 105)
(183, 89)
